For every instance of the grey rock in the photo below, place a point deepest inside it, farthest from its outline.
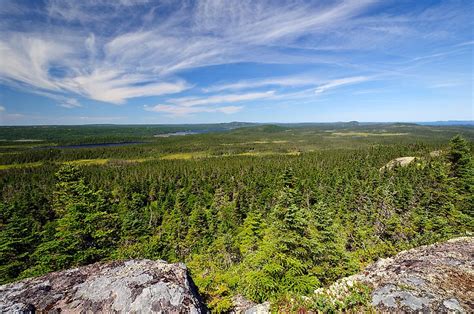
(241, 304)
(411, 301)
(415, 281)
(433, 278)
(436, 278)
(135, 286)
(263, 308)
(453, 305)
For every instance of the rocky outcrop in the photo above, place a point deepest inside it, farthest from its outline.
(132, 286)
(437, 278)
(245, 306)
(398, 162)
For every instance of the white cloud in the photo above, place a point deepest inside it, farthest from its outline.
(143, 55)
(139, 62)
(291, 81)
(175, 110)
(219, 99)
(189, 105)
(28, 59)
(340, 82)
(115, 87)
(70, 103)
(2, 109)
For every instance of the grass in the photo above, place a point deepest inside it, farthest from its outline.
(82, 162)
(176, 156)
(16, 166)
(365, 134)
(267, 153)
(185, 156)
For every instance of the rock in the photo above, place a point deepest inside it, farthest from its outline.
(437, 278)
(401, 162)
(122, 286)
(245, 306)
(263, 308)
(241, 304)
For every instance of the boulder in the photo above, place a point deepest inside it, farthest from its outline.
(121, 286)
(398, 162)
(436, 278)
(245, 306)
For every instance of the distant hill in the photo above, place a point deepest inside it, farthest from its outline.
(452, 122)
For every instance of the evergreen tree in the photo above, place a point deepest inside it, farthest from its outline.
(460, 156)
(331, 259)
(283, 262)
(85, 230)
(251, 233)
(462, 168)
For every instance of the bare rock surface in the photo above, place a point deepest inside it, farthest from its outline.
(401, 162)
(134, 286)
(436, 278)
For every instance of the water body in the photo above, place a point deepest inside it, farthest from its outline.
(180, 133)
(91, 145)
(191, 132)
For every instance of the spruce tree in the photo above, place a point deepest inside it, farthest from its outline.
(284, 261)
(86, 228)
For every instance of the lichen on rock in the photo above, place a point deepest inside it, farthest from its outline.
(123, 286)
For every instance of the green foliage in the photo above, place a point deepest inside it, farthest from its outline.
(243, 224)
(462, 167)
(85, 230)
(284, 261)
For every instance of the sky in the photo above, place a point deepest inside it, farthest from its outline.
(210, 61)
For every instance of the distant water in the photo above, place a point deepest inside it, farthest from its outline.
(191, 132)
(91, 145)
(180, 133)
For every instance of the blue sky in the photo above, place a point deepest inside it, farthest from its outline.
(138, 61)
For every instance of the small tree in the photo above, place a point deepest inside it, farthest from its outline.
(85, 230)
(283, 262)
(462, 169)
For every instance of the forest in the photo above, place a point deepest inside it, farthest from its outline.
(270, 212)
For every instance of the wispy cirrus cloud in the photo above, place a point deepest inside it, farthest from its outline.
(219, 99)
(174, 110)
(136, 62)
(114, 51)
(216, 103)
(70, 103)
(290, 81)
(340, 82)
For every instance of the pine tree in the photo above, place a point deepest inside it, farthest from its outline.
(251, 233)
(462, 168)
(331, 259)
(85, 230)
(284, 261)
(460, 156)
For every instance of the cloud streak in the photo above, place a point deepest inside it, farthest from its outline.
(115, 51)
(179, 111)
(340, 82)
(141, 62)
(190, 105)
(291, 81)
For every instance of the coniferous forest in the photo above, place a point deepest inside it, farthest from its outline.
(270, 212)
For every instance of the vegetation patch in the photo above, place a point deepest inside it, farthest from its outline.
(365, 134)
(87, 162)
(19, 166)
(273, 228)
(185, 156)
